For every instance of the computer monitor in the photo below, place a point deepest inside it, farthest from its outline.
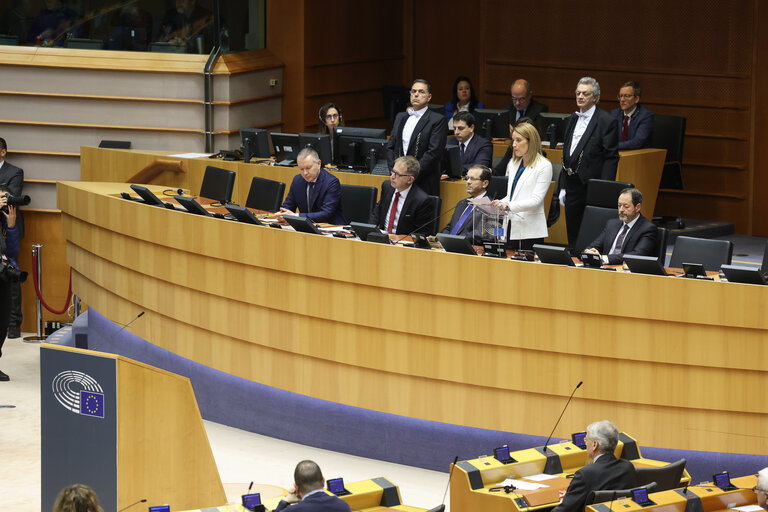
(349, 145)
(579, 439)
(722, 480)
(302, 224)
(553, 254)
(160, 508)
(551, 127)
(147, 195)
(321, 143)
(644, 265)
(456, 243)
(452, 161)
(745, 275)
(491, 123)
(286, 147)
(336, 486)
(251, 501)
(254, 143)
(374, 152)
(243, 214)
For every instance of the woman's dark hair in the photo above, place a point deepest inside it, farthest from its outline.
(472, 96)
(321, 117)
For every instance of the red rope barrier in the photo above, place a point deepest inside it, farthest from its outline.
(40, 295)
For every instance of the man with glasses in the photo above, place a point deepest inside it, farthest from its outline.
(421, 133)
(635, 121)
(523, 104)
(761, 488)
(590, 152)
(605, 472)
(478, 179)
(403, 208)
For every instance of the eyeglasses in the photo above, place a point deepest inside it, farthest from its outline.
(331, 117)
(416, 92)
(586, 94)
(518, 100)
(626, 96)
(470, 178)
(395, 173)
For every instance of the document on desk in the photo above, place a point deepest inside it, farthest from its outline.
(191, 155)
(541, 477)
(747, 508)
(522, 484)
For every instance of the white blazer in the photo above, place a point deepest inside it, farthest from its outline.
(525, 218)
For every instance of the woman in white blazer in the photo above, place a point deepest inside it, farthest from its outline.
(530, 174)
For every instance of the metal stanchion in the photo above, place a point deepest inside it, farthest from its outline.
(36, 250)
(76, 306)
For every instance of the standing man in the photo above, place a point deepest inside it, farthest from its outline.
(605, 472)
(478, 179)
(308, 494)
(472, 150)
(421, 133)
(635, 121)
(13, 178)
(631, 233)
(403, 208)
(590, 152)
(314, 191)
(523, 104)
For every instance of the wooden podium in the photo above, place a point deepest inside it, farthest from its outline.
(129, 430)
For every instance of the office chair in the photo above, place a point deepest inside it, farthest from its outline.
(666, 477)
(592, 225)
(265, 194)
(218, 184)
(661, 239)
(609, 495)
(669, 134)
(710, 253)
(605, 193)
(437, 204)
(358, 202)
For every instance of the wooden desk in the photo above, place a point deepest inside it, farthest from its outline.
(468, 333)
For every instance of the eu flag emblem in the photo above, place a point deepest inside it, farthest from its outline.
(92, 404)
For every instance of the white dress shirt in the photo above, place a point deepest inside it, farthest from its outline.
(581, 126)
(410, 124)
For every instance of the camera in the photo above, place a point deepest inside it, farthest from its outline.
(10, 274)
(18, 200)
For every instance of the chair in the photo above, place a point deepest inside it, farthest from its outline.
(609, 495)
(437, 204)
(218, 184)
(661, 239)
(592, 225)
(666, 477)
(605, 193)
(497, 188)
(669, 134)
(357, 202)
(710, 253)
(84, 44)
(265, 194)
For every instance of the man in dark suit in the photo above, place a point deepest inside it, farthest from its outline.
(635, 121)
(403, 207)
(13, 178)
(421, 133)
(523, 104)
(590, 151)
(478, 179)
(631, 233)
(606, 472)
(308, 493)
(315, 192)
(472, 149)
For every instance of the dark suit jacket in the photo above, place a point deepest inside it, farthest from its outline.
(607, 472)
(416, 212)
(599, 147)
(641, 239)
(427, 145)
(318, 502)
(534, 109)
(326, 198)
(478, 151)
(13, 177)
(466, 228)
(640, 128)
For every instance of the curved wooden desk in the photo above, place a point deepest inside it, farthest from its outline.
(466, 340)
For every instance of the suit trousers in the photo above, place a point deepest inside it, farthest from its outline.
(15, 316)
(575, 202)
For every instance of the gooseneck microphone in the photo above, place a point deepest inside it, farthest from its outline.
(132, 504)
(126, 325)
(561, 414)
(441, 507)
(416, 230)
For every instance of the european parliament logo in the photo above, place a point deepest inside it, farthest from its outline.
(79, 393)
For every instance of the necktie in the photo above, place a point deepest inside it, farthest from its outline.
(461, 150)
(310, 189)
(520, 113)
(625, 129)
(517, 177)
(393, 213)
(462, 219)
(620, 240)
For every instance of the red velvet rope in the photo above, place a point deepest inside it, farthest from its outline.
(40, 295)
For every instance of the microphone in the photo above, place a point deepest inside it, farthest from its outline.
(426, 224)
(249, 488)
(441, 507)
(561, 414)
(126, 325)
(132, 504)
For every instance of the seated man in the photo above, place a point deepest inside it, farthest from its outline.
(316, 192)
(631, 233)
(308, 493)
(472, 149)
(635, 121)
(606, 471)
(478, 179)
(761, 488)
(403, 207)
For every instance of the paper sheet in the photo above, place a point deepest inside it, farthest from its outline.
(192, 155)
(522, 484)
(748, 508)
(541, 477)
